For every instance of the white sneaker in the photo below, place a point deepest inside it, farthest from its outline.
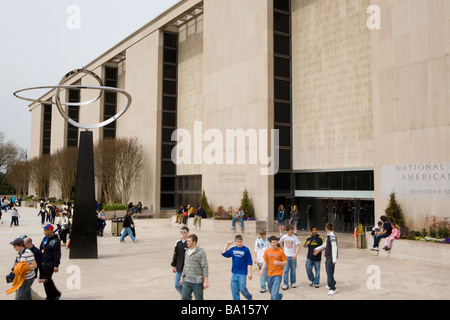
(332, 292)
(310, 283)
(284, 287)
(293, 285)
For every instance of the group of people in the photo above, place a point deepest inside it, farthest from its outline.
(33, 263)
(6, 204)
(62, 218)
(384, 229)
(275, 257)
(293, 218)
(184, 213)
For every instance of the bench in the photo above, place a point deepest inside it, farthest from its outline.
(413, 250)
(214, 225)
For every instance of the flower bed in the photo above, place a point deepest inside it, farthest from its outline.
(430, 239)
(437, 236)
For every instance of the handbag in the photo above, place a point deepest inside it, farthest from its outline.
(10, 277)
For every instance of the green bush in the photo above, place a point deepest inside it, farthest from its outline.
(114, 207)
(424, 233)
(247, 205)
(203, 202)
(394, 212)
(432, 233)
(443, 232)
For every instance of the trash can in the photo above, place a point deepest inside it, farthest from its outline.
(116, 226)
(361, 240)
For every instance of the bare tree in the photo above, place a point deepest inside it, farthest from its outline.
(10, 153)
(40, 175)
(105, 169)
(118, 164)
(129, 165)
(64, 171)
(19, 177)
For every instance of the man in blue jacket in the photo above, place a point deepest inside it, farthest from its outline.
(51, 257)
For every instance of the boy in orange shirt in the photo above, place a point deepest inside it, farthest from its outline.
(274, 261)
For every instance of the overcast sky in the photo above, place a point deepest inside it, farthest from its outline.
(40, 43)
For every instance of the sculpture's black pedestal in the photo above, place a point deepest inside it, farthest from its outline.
(83, 241)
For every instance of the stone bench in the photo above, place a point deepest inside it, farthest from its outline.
(413, 250)
(214, 225)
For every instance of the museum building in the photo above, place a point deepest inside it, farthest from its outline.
(355, 92)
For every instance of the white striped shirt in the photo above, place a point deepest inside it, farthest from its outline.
(28, 257)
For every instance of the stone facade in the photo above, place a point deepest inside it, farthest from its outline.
(362, 98)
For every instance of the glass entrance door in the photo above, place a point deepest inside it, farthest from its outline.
(344, 214)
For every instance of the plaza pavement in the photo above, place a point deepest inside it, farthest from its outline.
(142, 271)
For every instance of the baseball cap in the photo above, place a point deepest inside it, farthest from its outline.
(49, 227)
(18, 242)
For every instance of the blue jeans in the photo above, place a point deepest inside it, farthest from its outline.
(290, 268)
(274, 283)
(263, 279)
(376, 240)
(310, 264)
(178, 285)
(234, 222)
(329, 266)
(239, 285)
(129, 232)
(189, 288)
(24, 292)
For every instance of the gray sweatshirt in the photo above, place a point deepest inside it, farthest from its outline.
(195, 266)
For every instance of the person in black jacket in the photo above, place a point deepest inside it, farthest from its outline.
(178, 257)
(51, 257)
(128, 224)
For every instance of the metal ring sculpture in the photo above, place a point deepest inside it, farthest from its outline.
(59, 104)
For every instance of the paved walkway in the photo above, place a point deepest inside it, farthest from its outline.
(142, 271)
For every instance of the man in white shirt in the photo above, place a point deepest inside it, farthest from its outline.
(261, 244)
(291, 246)
(331, 254)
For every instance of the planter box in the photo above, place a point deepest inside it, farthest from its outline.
(250, 226)
(146, 214)
(414, 250)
